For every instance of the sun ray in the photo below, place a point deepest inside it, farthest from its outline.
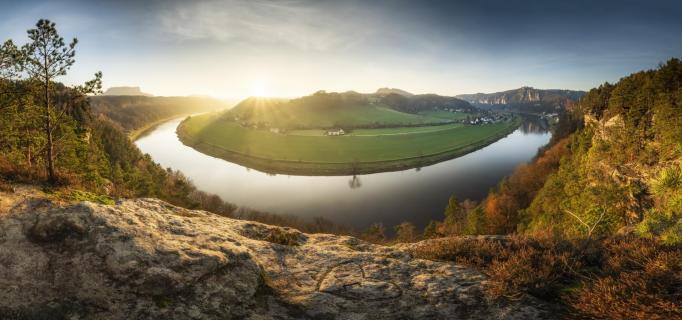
(259, 88)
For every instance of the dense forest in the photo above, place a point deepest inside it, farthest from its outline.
(132, 113)
(424, 102)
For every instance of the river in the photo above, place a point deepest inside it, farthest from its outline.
(415, 195)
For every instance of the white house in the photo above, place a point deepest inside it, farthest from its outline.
(339, 132)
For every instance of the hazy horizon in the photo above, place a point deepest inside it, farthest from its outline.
(235, 49)
(237, 99)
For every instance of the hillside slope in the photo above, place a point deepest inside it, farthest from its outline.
(345, 109)
(425, 102)
(132, 113)
(146, 259)
(624, 170)
(387, 91)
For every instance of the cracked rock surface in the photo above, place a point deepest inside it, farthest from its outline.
(146, 259)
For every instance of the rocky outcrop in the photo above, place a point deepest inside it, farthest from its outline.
(386, 91)
(633, 178)
(125, 91)
(146, 259)
(541, 99)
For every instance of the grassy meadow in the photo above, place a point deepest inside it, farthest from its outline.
(379, 131)
(351, 116)
(447, 115)
(310, 152)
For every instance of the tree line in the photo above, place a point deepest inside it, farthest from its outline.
(131, 113)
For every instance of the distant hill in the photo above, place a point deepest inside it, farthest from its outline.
(131, 113)
(345, 109)
(125, 91)
(425, 102)
(525, 99)
(386, 91)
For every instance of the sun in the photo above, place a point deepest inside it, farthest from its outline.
(259, 88)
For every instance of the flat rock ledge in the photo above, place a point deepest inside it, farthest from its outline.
(146, 259)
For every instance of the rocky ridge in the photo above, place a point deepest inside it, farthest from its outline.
(525, 97)
(125, 91)
(146, 259)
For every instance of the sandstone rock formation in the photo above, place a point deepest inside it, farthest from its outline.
(146, 259)
(125, 91)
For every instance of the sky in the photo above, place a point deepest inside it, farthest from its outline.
(287, 48)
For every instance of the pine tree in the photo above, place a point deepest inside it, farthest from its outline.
(431, 230)
(45, 58)
(405, 232)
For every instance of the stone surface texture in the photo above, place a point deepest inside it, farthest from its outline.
(146, 259)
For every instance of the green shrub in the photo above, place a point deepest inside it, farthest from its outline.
(665, 221)
(406, 232)
(476, 222)
(669, 179)
(80, 195)
(667, 226)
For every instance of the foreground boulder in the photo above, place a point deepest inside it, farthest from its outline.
(146, 259)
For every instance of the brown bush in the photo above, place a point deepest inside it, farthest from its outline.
(640, 279)
(538, 271)
(618, 277)
(474, 251)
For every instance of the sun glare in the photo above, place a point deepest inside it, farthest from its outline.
(259, 88)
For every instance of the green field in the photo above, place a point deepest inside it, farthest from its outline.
(445, 115)
(379, 131)
(362, 151)
(348, 116)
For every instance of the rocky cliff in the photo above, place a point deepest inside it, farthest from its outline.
(146, 259)
(525, 99)
(387, 91)
(623, 171)
(125, 91)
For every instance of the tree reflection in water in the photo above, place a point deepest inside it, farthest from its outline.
(534, 124)
(355, 182)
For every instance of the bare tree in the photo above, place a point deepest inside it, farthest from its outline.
(590, 228)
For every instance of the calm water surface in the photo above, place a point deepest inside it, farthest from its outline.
(416, 195)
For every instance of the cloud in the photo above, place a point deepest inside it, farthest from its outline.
(310, 26)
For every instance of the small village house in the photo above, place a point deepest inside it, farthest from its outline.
(338, 132)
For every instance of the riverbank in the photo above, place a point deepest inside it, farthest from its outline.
(390, 197)
(364, 150)
(139, 132)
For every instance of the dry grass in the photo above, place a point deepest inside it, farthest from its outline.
(611, 278)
